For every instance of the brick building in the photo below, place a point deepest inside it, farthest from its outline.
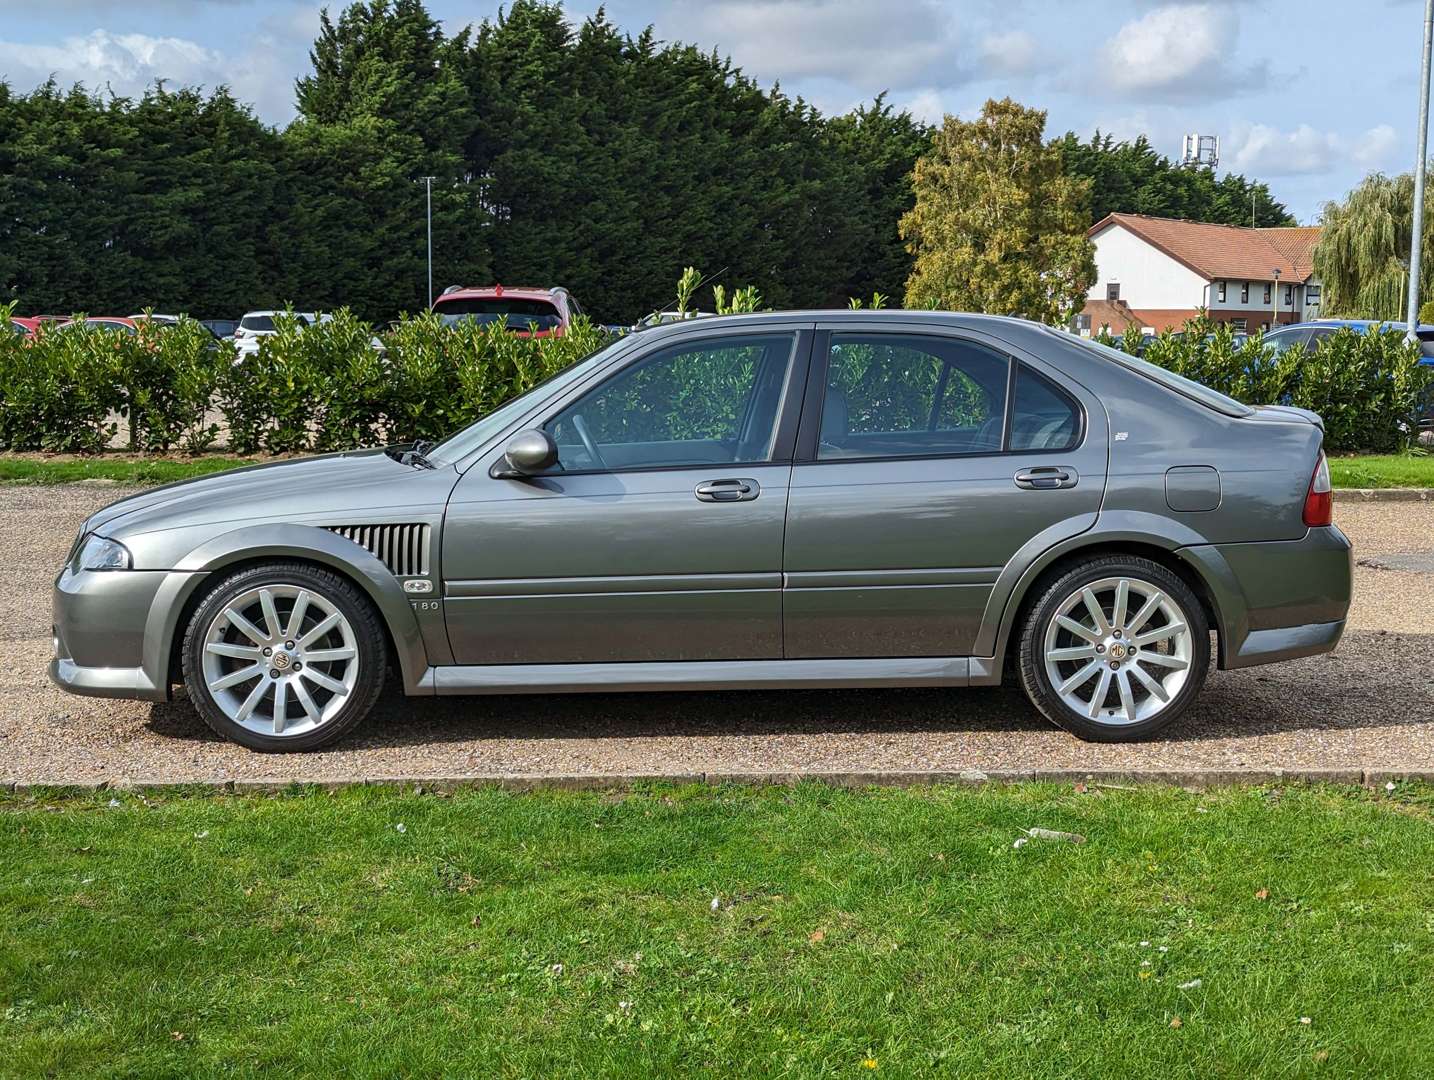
(1154, 273)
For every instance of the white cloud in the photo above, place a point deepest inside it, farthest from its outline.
(260, 72)
(1179, 51)
(896, 45)
(928, 106)
(1267, 151)
(1010, 53)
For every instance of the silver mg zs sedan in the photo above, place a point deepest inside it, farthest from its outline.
(805, 499)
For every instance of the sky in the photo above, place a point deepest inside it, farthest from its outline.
(1308, 96)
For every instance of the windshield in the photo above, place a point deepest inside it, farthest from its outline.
(265, 323)
(1212, 399)
(459, 445)
(515, 313)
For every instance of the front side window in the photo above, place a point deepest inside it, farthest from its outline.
(715, 402)
(894, 395)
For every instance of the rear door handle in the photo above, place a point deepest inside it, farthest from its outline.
(1046, 477)
(733, 489)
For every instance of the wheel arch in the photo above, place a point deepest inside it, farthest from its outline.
(1159, 539)
(258, 544)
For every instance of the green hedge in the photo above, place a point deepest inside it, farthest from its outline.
(307, 389)
(327, 387)
(1369, 388)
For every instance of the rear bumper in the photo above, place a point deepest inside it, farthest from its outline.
(1278, 600)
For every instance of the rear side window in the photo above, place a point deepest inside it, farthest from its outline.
(896, 395)
(1043, 417)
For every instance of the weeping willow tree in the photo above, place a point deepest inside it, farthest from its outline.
(1363, 252)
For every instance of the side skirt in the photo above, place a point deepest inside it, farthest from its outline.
(703, 675)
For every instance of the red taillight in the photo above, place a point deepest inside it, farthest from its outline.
(1319, 500)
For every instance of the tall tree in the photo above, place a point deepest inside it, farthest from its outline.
(387, 104)
(882, 145)
(998, 225)
(1132, 178)
(1363, 253)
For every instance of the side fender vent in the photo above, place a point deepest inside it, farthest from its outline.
(401, 548)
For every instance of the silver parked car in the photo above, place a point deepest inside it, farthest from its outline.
(820, 499)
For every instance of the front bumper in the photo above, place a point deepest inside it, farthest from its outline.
(112, 630)
(1278, 600)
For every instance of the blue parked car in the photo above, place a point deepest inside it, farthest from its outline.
(1310, 334)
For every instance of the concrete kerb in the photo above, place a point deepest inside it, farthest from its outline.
(1384, 494)
(1191, 779)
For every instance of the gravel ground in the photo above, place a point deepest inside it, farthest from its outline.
(1370, 705)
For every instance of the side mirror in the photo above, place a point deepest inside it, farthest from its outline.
(529, 452)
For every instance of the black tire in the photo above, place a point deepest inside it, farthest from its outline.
(368, 638)
(1032, 666)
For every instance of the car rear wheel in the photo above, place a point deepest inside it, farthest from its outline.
(1115, 649)
(284, 657)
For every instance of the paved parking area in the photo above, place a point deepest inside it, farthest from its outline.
(1370, 705)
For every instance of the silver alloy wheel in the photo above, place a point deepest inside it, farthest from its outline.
(1118, 650)
(280, 660)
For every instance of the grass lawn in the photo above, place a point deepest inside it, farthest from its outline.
(1382, 471)
(720, 932)
(65, 468)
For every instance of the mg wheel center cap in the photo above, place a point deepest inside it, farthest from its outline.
(1117, 651)
(281, 660)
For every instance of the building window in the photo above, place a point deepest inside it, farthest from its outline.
(1112, 291)
(1267, 292)
(1244, 292)
(1312, 294)
(1237, 325)
(1289, 295)
(1220, 291)
(1264, 326)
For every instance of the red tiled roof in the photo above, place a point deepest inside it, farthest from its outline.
(1225, 251)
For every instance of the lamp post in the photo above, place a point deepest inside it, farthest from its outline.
(1275, 322)
(1416, 237)
(428, 184)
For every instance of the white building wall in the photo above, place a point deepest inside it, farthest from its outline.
(1148, 278)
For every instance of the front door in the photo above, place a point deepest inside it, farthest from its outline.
(925, 461)
(658, 536)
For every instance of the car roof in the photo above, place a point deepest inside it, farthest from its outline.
(522, 292)
(950, 319)
(273, 312)
(1357, 324)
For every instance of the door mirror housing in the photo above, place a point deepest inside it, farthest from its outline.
(528, 453)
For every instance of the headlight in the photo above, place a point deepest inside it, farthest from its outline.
(100, 553)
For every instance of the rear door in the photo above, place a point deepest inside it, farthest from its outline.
(925, 461)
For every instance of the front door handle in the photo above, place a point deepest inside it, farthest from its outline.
(734, 489)
(1046, 477)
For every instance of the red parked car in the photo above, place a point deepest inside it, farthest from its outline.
(528, 312)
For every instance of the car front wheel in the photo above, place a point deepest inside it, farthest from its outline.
(284, 656)
(1115, 649)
